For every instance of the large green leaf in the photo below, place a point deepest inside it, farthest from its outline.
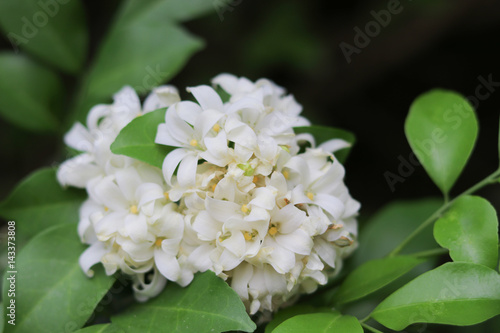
(30, 93)
(320, 322)
(137, 139)
(394, 222)
(39, 202)
(292, 311)
(325, 133)
(52, 292)
(103, 328)
(144, 48)
(207, 304)
(441, 128)
(454, 293)
(469, 229)
(54, 31)
(373, 275)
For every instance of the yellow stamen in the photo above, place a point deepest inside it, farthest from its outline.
(255, 179)
(310, 196)
(245, 209)
(133, 209)
(213, 187)
(286, 174)
(247, 236)
(216, 128)
(193, 143)
(106, 208)
(220, 239)
(166, 195)
(158, 241)
(273, 231)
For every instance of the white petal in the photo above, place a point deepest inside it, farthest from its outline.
(298, 241)
(171, 162)
(330, 204)
(326, 251)
(105, 191)
(241, 276)
(334, 145)
(189, 112)
(167, 265)
(206, 97)
(91, 256)
(206, 226)
(186, 174)
(79, 138)
(222, 210)
(128, 181)
(144, 291)
(78, 171)
(290, 218)
(161, 97)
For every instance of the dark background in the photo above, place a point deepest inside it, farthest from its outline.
(428, 44)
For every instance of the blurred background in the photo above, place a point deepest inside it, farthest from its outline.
(317, 51)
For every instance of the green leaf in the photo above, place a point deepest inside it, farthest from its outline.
(393, 223)
(373, 275)
(52, 292)
(54, 31)
(208, 303)
(320, 322)
(39, 202)
(292, 311)
(454, 294)
(325, 133)
(103, 328)
(30, 93)
(441, 128)
(137, 139)
(469, 229)
(144, 48)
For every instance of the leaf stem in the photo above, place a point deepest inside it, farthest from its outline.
(371, 329)
(430, 253)
(488, 180)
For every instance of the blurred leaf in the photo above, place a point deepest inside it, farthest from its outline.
(373, 275)
(30, 93)
(39, 202)
(103, 328)
(324, 133)
(454, 294)
(137, 139)
(469, 229)
(55, 31)
(320, 322)
(52, 292)
(144, 48)
(393, 223)
(208, 303)
(441, 128)
(292, 311)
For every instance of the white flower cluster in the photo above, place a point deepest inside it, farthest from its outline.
(236, 195)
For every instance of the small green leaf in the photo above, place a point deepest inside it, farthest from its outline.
(52, 292)
(292, 311)
(208, 303)
(137, 139)
(455, 294)
(441, 128)
(373, 275)
(30, 93)
(54, 31)
(324, 133)
(320, 322)
(39, 202)
(469, 229)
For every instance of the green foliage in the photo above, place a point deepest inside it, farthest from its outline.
(55, 32)
(469, 229)
(442, 128)
(137, 139)
(290, 312)
(454, 294)
(320, 322)
(39, 202)
(373, 275)
(52, 292)
(207, 303)
(323, 133)
(103, 328)
(30, 93)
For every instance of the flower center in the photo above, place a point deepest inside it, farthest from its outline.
(247, 236)
(273, 230)
(286, 174)
(193, 143)
(245, 209)
(216, 128)
(158, 242)
(133, 209)
(310, 195)
(166, 195)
